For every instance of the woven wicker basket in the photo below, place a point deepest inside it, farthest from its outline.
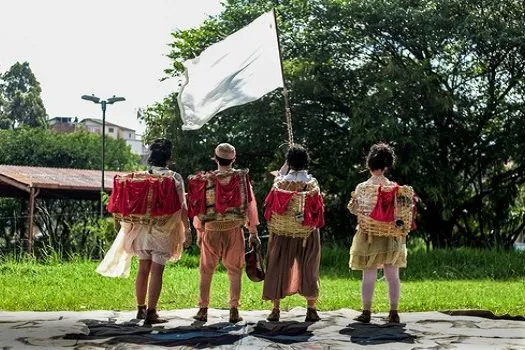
(290, 224)
(403, 213)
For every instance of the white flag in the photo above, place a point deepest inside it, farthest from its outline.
(242, 68)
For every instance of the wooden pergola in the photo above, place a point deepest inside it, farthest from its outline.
(59, 183)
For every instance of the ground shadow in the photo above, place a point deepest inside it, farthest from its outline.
(483, 314)
(132, 333)
(286, 332)
(195, 334)
(375, 334)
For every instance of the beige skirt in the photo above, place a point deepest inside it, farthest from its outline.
(168, 238)
(377, 251)
(292, 267)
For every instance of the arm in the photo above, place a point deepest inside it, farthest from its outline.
(284, 169)
(199, 227)
(181, 192)
(252, 216)
(252, 220)
(353, 205)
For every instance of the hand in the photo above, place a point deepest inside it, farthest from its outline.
(187, 241)
(199, 241)
(284, 169)
(254, 241)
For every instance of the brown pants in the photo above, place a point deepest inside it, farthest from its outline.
(293, 268)
(227, 246)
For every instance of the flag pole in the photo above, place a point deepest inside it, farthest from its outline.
(287, 112)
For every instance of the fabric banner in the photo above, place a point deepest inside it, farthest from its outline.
(239, 69)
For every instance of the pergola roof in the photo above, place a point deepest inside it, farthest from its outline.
(17, 181)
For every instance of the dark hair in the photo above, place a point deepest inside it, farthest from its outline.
(381, 156)
(297, 157)
(223, 161)
(160, 152)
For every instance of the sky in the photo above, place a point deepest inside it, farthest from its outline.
(101, 47)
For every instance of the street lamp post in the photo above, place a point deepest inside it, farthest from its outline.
(103, 104)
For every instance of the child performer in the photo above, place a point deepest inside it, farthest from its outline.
(155, 240)
(295, 211)
(374, 202)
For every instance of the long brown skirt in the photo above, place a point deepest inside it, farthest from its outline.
(292, 268)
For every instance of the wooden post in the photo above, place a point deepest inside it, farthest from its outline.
(30, 220)
(287, 113)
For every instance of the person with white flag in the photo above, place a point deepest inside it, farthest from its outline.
(239, 69)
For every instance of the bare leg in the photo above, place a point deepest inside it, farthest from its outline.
(311, 312)
(141, 283)
(155, 285)
(275, 315)
(311, 303)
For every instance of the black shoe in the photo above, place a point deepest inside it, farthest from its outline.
(312, 315)
(393, 317)
(141, 312)
(364, 317)
(274, 315)
(202, 315)
(153, 317)
(234, 315)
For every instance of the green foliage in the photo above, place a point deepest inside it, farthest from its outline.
(443, 82)
(20, 101)
(91, 238)
(67, 226)
(81, 150)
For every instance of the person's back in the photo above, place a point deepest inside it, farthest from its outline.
(294, 209)
(378, 243)
(221, 202)
(154, 227)
(167, 234)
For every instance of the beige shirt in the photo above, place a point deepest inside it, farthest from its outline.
(362, 201)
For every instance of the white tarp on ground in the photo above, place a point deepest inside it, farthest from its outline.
(107, 329)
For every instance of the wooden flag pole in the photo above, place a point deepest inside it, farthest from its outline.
(287, 112)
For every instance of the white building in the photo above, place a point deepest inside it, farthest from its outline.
(117, 132)
(70, 124)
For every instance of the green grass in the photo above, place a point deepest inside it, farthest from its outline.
(433, 281)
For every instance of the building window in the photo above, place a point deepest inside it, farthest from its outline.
(129, 135)
(111, 130)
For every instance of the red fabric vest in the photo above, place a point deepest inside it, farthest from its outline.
(130, 197)
(384, 209)
(227, 196)
(197, 196)
(277, 202)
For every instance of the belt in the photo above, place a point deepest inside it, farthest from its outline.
(222, 225)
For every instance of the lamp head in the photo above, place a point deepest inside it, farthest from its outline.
(91, 98)
(114, 99)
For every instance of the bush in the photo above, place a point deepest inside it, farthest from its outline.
(88, 239)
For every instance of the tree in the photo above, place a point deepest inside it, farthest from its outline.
(20, 101)
(56, 218)
(442, 81)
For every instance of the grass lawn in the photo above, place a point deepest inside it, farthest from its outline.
(75, 286)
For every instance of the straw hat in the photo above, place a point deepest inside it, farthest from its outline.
(254, 268)
(225, 151)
